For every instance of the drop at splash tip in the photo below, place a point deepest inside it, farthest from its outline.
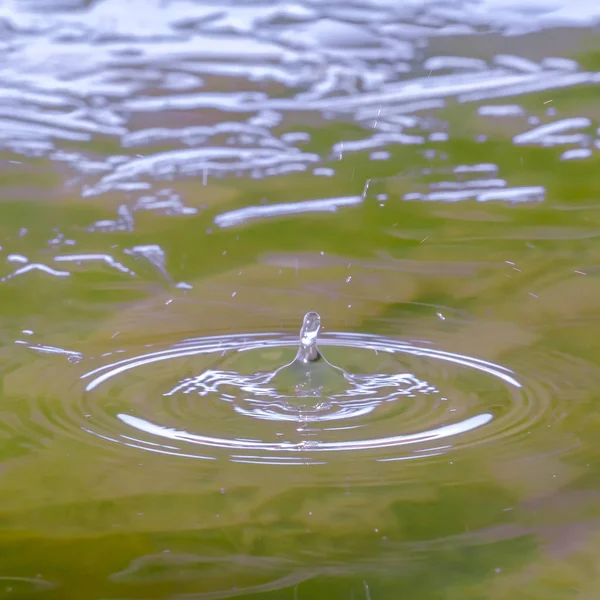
(308, 351)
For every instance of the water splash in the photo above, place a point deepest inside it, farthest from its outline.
(308, 406)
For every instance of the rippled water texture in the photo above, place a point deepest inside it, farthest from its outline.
(182, 181)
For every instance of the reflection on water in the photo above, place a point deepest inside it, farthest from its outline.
(181, 181)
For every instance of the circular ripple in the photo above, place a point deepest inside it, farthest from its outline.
(225, 397)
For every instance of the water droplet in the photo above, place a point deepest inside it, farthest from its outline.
(309, 332)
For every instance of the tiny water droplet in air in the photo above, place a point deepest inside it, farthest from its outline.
(233, 295)
(348, 279)
(222, 490)
(441, 316)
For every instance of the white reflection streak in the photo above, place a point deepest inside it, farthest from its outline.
(517, 194)
(436, 448)
(423, 89)
(36, 267)
(410, 457)
(127, 437)
(400, 440)
(109, 439)
(507, 110)
(335, 339)
(518, 63)
(550, 80)
(196, 160)
(466, 363)
(283, 458)
(144, 360)
(476, 363)
(539, 133)
(235, 217)
(52, 350)
(17, 258)
(267, 462)
(478, 168)
(576, 153)
(105, 258)
(225, 343)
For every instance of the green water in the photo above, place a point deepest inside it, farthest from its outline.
(105, 258)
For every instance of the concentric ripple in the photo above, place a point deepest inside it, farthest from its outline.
(229, 397)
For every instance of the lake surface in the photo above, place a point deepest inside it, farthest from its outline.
(180, 182)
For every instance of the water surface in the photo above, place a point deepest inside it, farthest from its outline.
(180, 182)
